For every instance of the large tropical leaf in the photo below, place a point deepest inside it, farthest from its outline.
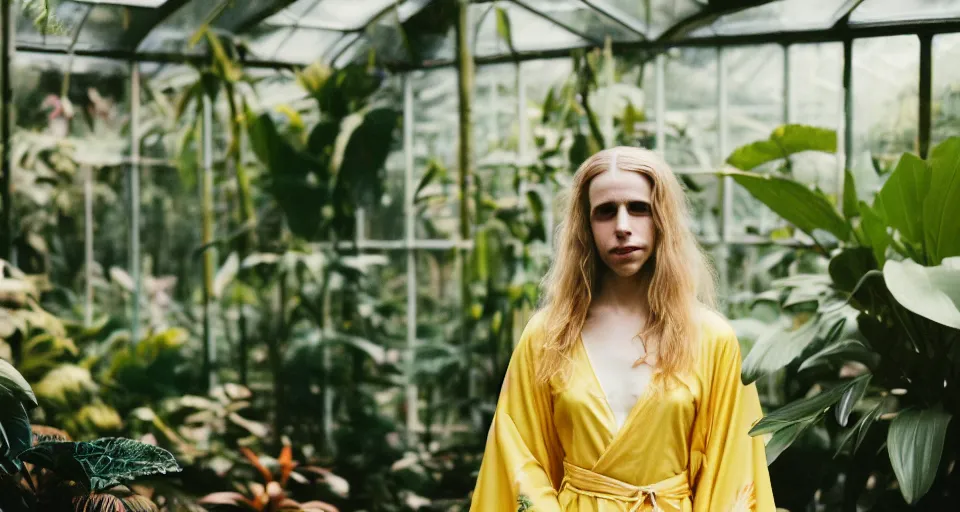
(838, 353)
(803, 410)
(931, 292)
(783, 438)
(785, 141)
(777, 348)
(366, 153)
(941, 209)
(15, 434)
(345, 90)
(874, 232)
(151, 368)
(43, 353)
(806, 209)
(301, 198)
(103, 463)
(900, 201)
(915, 444)
(66, 387)
(12, 384)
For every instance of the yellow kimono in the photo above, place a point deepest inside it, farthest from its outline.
(557, 448)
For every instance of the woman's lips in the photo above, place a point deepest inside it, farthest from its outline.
(623, 251)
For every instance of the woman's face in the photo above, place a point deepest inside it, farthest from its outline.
(621, 218)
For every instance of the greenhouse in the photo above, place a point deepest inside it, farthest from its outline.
(279, 254)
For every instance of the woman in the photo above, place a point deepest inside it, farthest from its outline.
(624, 391)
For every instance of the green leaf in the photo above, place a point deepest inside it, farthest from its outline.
(539, 229)
(783, 438)
(103, 463)
(435, 170)
(861, 428)
(848, 267)
(804, 208)
(900, 200)
(314, 77)
(941, 209)
(225, 274)
(366, 152)
(578, 151)
(875, 232)
(15, 434)
(630, 119)
(850, 399)
(850, 209)
(343, 91)
(785, 141)
(915, 444)
(503, 29)
(321, 141)
(377, 353)
(931, 292)
(481, 255)
(846, 350)
(302, 199)
(803, 410)
(150, 369)
(13, 384)
(777, 348)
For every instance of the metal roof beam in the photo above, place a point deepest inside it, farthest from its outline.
(835, 34)
(830, 35)
(614, 13)
(275, 7)
(157, 57)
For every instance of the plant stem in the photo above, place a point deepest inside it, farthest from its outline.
(206, 193)
(275, 356)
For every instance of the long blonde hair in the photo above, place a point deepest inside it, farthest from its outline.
(681, 278)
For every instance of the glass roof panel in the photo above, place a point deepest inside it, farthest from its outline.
(173, 34)
(166, 26)
(537, 33)
(897, 11)
(105, 26)
(779, 16)
(242, 17)
(131, 3)
(64, 21)
(576, 15)
(330, 14)
(388, 42)
(294, 45)
(656, 15)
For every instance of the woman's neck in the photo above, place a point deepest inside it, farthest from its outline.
(623, 294)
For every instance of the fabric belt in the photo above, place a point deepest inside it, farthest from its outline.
(588, 483)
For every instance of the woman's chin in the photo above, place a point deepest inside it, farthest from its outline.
(627, 269)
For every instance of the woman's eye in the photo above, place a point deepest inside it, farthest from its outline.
(605, 210)
(639, 207)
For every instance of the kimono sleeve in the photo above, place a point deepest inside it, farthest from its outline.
(522, 461)
(733, 474)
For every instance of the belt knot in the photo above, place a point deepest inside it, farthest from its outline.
(589, 483)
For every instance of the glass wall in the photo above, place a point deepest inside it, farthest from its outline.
(698, 104)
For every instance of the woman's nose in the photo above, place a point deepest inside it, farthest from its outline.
(623, 225)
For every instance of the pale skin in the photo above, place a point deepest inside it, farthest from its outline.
(624, 234)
